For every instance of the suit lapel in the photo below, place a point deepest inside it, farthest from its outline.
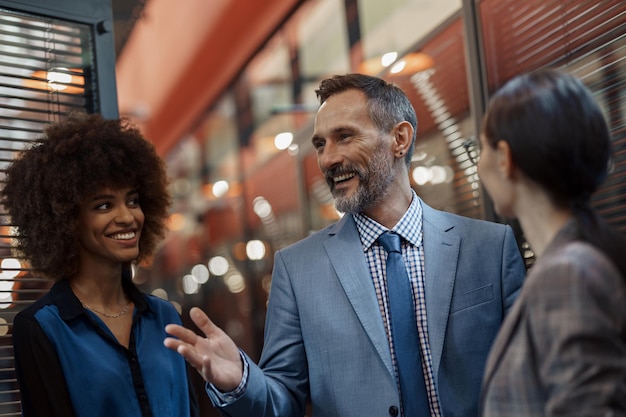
(345, 252)
(441, 254)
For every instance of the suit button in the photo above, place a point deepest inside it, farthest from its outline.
(393, 411)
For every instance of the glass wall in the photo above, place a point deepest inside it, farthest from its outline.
(245, 178)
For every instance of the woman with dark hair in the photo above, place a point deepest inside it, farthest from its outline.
(562, 349)
(87, 200)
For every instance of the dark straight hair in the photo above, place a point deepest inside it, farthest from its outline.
(560, 139)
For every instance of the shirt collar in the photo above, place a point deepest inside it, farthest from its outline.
(409, 227)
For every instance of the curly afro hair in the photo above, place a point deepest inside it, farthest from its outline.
(78, 156)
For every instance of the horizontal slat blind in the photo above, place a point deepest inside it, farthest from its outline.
(604, 72)
(584, 37)
(449, 81)
(440, 96)
(44, 66)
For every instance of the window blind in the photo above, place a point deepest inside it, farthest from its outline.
(46, 71)
(436, 83)
(586, 38)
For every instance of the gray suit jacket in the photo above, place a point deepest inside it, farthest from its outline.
(325, 338)
(562, 349)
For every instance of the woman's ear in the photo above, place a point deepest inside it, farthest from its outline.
(504, 160)
(403, 133)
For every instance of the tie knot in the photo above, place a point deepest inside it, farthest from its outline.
(390, 241)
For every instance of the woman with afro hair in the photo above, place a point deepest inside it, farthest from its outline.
(87, 200)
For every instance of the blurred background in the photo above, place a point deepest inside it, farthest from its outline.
(225, 91)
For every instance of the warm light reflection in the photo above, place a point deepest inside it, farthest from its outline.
(388, 58)
(413, 63)
(64, 80)
(6, 291)
(220, 188)
(176, 222)
(177, 306)
(200, 273)
(10, 267)
(446, 124)
(434, 175)
(255, 250)
(376, 64)
(4, 327)
(283, 140)
(58, 80)
(419, 156)
(161, 293)
(293, 149)
(266, 283)
(262, 207)
(235, 283)
(218, 265)
(190, 285)
(398, 67)
(239, 251)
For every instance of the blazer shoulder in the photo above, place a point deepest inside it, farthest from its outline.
(578, 259)
(344, 227)
(461, 224)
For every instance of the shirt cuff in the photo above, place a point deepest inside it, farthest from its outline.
(222, 399)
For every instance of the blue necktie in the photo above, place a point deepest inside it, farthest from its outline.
(404, 330)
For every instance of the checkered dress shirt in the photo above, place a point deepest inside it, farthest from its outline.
(410, 229)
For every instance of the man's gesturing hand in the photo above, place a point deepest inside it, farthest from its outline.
(215, 357)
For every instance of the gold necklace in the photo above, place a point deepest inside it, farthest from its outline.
(111, 316)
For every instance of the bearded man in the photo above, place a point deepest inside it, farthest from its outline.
(331, 337)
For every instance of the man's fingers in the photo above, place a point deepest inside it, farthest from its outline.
(186, 351)
(203, 322)
(172, 343)
(216, 351)
(182, 333)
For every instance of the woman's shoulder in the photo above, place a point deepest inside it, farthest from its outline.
(576, 270)
(583, 257)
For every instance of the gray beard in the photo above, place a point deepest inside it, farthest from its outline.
(373, 185)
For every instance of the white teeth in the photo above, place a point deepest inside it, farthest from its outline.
(124, 236)
(343, 177)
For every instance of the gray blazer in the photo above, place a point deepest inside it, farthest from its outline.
(325, 338)
(562, 349)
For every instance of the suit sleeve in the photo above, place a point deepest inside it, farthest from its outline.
(578, 320)
(43, 389)
(513, 270)
(278, 386)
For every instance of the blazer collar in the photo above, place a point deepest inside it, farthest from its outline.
(345, 253)
(441, 249)
(441, 255)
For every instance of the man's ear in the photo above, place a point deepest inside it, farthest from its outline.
(403, 133)
(505, 164)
